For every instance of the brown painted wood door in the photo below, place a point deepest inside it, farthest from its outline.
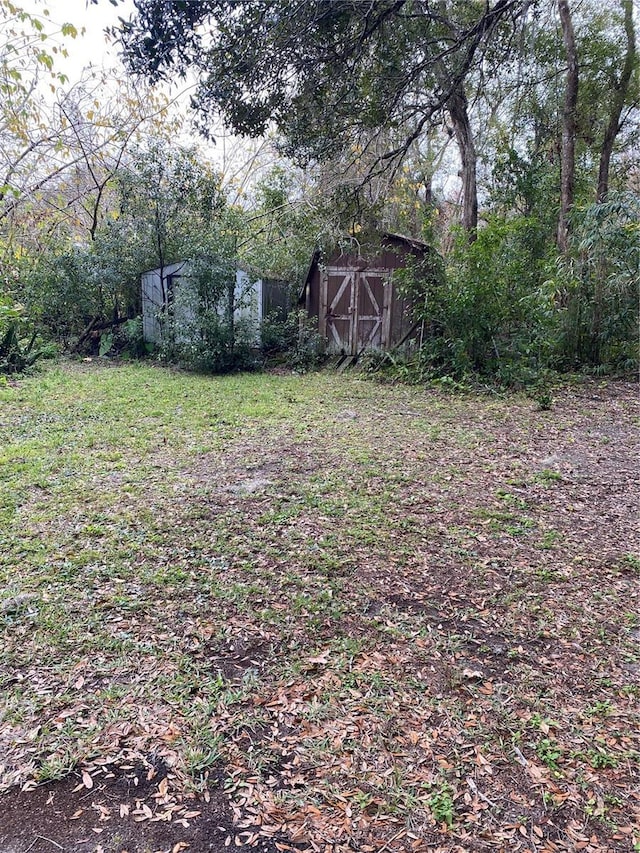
(354, 309)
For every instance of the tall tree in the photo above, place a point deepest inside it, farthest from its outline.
(620, 89)
(334, 76)
(569, 124)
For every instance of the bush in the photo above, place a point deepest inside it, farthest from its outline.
(490, 313)
(597, 285)
(18, 350)
(294, 341)
(210, 344)
(74, 289)
(124, 339)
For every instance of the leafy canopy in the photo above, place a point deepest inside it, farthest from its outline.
(331, 74)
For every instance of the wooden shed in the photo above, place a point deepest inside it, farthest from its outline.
(173, 285)
(355, 299)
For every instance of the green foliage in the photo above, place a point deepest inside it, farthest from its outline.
(294, 341)
(548, 752)
(15, 357)
(282, 227)
(522, 184)
(132, 339)
(491, 313)
(63, 292)
(211, 345)
(171, 207)
(170, 203)
(353, 87)
(598, 284)
(18, 351)
(174, 209)
(599, 758)
(543, 398)
(442, 805)
(200, 329)
(498, 313)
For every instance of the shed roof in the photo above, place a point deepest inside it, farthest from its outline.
(388, 236)
(184, 262)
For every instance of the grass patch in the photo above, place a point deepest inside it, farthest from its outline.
(343, 593)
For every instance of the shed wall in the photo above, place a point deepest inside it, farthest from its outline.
(155, 298)
(254, 299)
(395, 311)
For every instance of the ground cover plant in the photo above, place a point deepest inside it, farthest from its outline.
(316, 613)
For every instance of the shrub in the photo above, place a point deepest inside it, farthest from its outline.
(597, 286)
(491, 311)
(212, 345)
(18, 350)
(294, 340)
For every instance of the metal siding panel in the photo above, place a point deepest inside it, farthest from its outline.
(276, 298)
(152, 304)
(247, 297)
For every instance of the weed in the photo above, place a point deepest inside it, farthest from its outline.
(441, 804)
(199, 758)
(511, 499)
(632, 561)
(548, 752)
(549, 540)
(600, 708)
(544, 399)
(55, 767)
(547, 575)
(600, 759)
(547, 476)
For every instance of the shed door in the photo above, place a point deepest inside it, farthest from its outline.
(354, 309)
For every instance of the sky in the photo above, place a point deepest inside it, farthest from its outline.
(236, 158)
(92, 47)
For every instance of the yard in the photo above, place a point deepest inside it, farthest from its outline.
(316, 613)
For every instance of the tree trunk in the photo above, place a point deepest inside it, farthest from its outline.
(619, 97)
(457, 107)
(568, 155)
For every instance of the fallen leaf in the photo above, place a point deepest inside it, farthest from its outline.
(471, 673)
(318, 660)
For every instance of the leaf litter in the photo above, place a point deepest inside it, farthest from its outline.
(418, 633)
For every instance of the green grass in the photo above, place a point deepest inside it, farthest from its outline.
(230, 570)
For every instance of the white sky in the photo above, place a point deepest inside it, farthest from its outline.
(238, 159)
(92, 48)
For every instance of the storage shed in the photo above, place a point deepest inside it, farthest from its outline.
(174, 285)
(355, 299)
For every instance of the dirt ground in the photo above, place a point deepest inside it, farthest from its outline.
(387, 620)
(65, 815)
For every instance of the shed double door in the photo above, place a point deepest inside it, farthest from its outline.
(355, 309)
